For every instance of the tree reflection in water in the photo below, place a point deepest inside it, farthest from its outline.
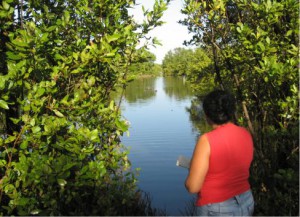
(197, 116)
(177, 88)
(141, 89)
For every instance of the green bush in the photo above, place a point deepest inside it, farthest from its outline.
(60, 152)
(254, 50)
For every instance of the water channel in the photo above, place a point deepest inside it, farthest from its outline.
(160, 131)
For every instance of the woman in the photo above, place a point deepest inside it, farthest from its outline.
(219, 168)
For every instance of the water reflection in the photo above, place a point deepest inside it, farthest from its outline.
(177, 88)
(145, 89)
(197, 116)
(160, 131)
(141, 89)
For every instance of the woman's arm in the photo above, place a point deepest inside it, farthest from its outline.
(199, 166)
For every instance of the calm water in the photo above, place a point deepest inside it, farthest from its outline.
(160, 130)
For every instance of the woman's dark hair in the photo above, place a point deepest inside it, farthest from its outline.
(219, 106)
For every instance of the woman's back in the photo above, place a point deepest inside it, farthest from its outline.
(231, 153)
(219, 169)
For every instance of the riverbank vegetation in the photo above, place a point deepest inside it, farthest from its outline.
(193, 64)
(254, 52)
(61, 60)
(143, 64)
(59, 142)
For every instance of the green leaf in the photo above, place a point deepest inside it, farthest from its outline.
(13, 56)
(9, 188)
(122, 125)
(20, 43)
(10, 139)
(2, 82)
(36, 129)
(113, 37)
(35, 212)
(155, 41)
(51, 28)
(15, 120)
(111, 105)
(75, 71)
(44, 38)
(261, 47)
(24, 145)
(3, 104)
(111, 54)
(84, 56)
(58, 113)
(40, 91)
(61, 182)
(58, 57)
(75, 55)
(94, 135)
(66, 16)
(266, 79)
(65, 100)
(5, 5)
(289, 33)
(32, 122)
(2, 163)
(91, 81)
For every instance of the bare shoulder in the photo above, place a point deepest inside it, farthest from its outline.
(203, 140)
(202, 147)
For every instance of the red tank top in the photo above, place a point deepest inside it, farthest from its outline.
(231, 153)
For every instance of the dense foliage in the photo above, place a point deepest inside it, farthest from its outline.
(144, 64)
(60, 152)
(195, 64)
(254, 50)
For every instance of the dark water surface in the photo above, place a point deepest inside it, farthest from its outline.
(160, 131)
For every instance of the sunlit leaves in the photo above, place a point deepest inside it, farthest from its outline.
(256, 55)
(3, 104)
(188, 62)
(62, 62)
(113, 37)
(58, 113)
(5, 9)
(61, 182)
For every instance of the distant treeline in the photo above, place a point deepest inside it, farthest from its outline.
(144, 64)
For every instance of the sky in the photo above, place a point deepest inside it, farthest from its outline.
(171, 34)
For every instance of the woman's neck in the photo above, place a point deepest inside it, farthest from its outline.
(215, 126)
